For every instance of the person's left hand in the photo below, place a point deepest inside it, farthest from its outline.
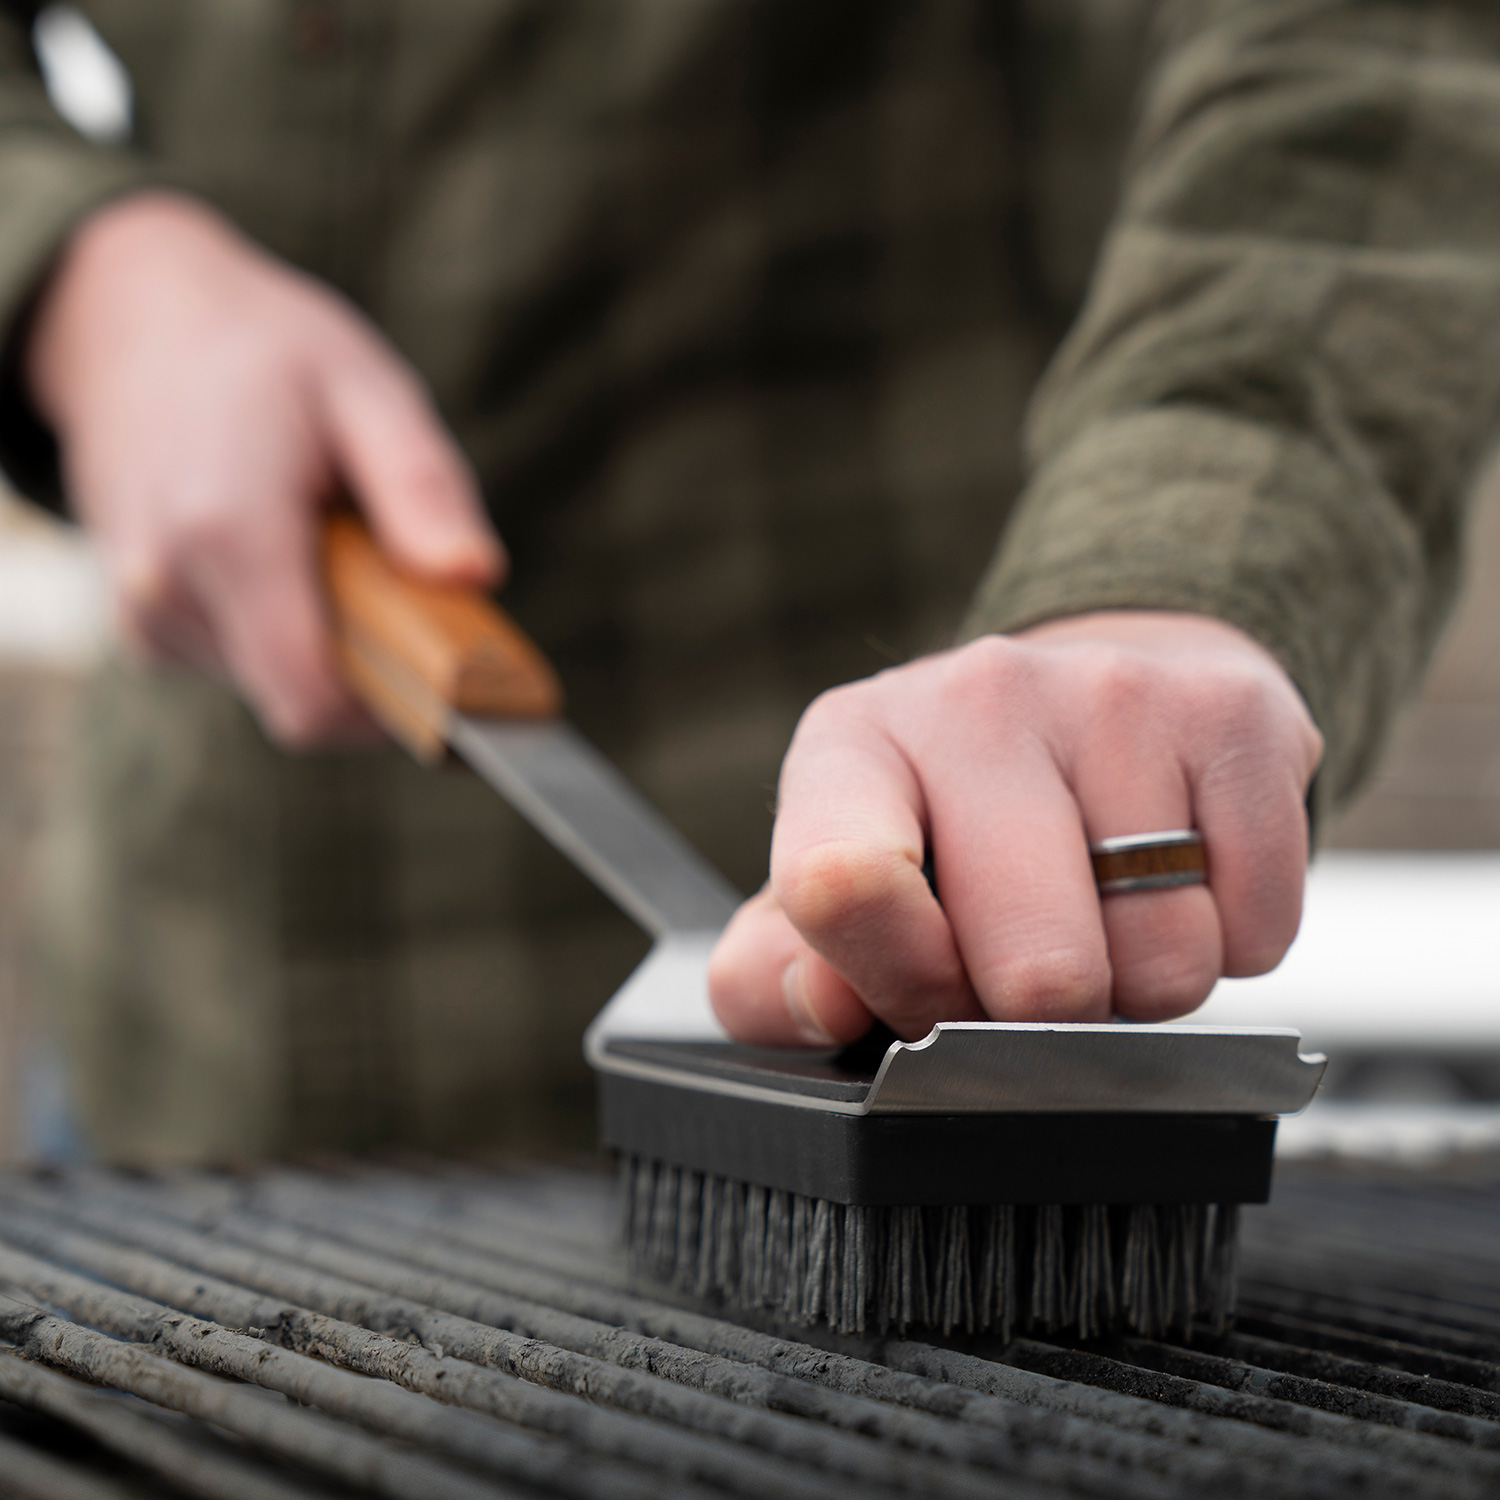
(210, 401)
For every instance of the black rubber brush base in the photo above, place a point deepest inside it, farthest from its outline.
(890, 1159)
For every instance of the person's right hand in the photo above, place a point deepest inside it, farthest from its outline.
(1004, 760)
(209, 401)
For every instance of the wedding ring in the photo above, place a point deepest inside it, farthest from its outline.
(1149, 861)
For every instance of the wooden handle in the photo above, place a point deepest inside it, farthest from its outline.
(418, 652)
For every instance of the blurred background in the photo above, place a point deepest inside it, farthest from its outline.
(51, 627)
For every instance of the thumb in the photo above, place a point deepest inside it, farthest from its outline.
(771, 990)
(407, 473)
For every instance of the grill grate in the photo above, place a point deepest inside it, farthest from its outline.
(455, 1332)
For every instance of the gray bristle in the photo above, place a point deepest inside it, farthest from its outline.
(1151, 1269)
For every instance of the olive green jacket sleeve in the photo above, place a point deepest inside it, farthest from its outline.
(1277, 398)
(50, 179)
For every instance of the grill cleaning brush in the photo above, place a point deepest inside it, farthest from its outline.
(991, 1177)
(997, 1178)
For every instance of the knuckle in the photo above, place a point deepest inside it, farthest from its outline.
(1263, 907)
(1312, 741)
(1249, 962)
(834, 704)
(1254, 784)
(1052, 985)
(1239, 704)
(832, 715)
(1242, 701)
(1169, 983)
(990, 666)
(1120, 680)
(1296, 735)
(1258, 953)
(831, 887)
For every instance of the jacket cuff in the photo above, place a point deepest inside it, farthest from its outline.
(49, 184)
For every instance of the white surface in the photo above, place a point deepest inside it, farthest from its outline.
(52, 609)
(86, 82)
(666, 997)
(1404, 1133)
(1395, 950)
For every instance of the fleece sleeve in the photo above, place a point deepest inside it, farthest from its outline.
(1279, 394)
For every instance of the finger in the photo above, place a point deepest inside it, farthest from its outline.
(159, 621)
(1165, 950)
(771, 990)
(1166, 947)
(1008, 845)
(846, 868)
(1014, 876)
(407, 473)
(259, 584)
(1253, 817)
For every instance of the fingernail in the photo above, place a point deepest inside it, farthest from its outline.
(794, 988)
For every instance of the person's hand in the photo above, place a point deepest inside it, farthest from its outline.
(1006, 758)
(208, 401)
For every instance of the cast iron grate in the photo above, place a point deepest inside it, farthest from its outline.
(456, 1332)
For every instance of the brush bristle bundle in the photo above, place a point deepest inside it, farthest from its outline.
(1004, 1269)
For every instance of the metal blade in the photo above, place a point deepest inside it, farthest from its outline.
(1038, 1067)
(964, 1067)
(581, 805)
